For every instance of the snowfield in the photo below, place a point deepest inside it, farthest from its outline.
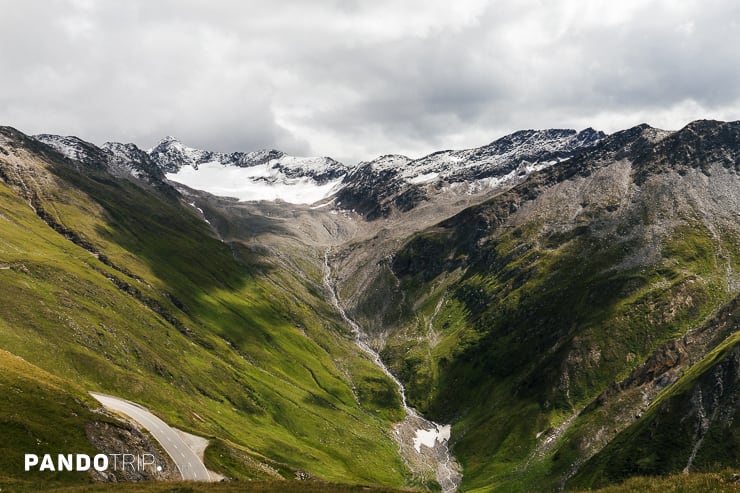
(260, 182)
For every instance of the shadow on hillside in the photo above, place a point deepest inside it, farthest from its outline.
(173, 243)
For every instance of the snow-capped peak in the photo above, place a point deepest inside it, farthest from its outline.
(171, 155)
(376, 188)
(541, 147)
(122, 160)
(73, 148)
(389, 161)
(270, 174)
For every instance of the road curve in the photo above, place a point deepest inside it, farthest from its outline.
(188, 463)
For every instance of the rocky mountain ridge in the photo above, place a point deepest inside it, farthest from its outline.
(376, 188)
(372, 188)
(120, 160)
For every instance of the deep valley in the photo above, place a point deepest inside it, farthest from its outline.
(567, 302)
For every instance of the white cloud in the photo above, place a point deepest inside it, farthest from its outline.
(355, 79)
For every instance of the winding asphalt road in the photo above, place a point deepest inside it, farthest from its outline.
(188, 463)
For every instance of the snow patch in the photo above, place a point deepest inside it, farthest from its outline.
(201, 212)
(192, 204)
(261, 182)
(319, 206)
(429, 437)
(426, 177)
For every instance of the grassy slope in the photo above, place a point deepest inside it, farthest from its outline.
(661, 441)
(40, 413)
(172, 321)
(679, 483)
(692, 483)
(526, 333)
(233, 487)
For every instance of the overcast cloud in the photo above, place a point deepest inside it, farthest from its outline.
(355, 79)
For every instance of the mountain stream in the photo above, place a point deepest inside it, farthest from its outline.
(423, 444)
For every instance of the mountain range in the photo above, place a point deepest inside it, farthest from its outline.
(566, 300)
(273, 174)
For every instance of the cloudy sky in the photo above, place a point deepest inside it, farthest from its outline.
(355, 79)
